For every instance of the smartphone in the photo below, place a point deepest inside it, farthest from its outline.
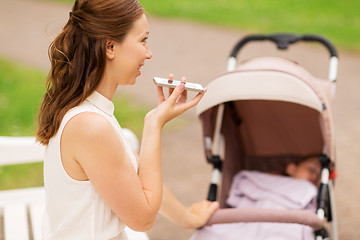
(163, 82)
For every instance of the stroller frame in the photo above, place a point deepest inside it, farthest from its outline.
(214, 146)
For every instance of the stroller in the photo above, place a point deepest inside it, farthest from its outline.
(263, 114)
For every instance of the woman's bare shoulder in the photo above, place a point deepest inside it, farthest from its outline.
(88, 125)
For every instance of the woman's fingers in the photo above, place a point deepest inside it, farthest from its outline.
(175, 94)
(201, 212)
(171, 77)
(191, 103)
(160, 94)
(177, 102)
(183, 96)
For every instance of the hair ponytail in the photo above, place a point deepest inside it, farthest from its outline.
(77, 57)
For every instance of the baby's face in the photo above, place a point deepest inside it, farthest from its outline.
(309, 169)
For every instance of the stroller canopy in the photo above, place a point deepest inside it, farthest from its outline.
(275, 107)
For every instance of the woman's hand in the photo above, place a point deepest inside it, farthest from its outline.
(200, 212)
(195, 216)
(183, 96)
(174, 105)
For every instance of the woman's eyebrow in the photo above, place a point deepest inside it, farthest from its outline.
(144, 34)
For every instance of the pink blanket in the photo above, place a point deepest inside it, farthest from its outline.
(254, 189)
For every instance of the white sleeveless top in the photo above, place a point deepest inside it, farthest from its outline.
(74, 210)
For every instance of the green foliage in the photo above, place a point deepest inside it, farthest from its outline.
(337, 20)
(21, 90)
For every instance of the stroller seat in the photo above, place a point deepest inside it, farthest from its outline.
(253, 189)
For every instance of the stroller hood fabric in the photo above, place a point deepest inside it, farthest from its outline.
(275, 79)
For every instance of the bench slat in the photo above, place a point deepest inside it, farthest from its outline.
(23, 195)
(36, 214)
(15, 222)
(15, 150)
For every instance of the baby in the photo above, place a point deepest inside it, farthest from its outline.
(308, 169)
(253, 189)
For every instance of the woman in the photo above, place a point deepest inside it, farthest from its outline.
(94, 183)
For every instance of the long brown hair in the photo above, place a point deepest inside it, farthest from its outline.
(77, 57)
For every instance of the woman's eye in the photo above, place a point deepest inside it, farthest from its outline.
(145, 40)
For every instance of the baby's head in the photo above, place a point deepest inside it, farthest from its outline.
(308, 169)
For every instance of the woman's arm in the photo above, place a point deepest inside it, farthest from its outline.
(90, 142)
(150, 153)
(193, 217)
(92, 150)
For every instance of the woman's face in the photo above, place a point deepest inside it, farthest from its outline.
(131, 53)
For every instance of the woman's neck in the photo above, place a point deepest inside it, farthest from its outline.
(106, 88)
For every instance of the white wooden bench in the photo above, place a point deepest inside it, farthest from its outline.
(21, 210)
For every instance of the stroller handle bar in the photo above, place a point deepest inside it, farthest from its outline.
(283, 41)
(246, 215)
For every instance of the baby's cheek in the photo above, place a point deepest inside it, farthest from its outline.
(304, 176)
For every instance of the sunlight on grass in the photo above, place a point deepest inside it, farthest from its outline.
(337, 20)
(21, 90)
(21, 176)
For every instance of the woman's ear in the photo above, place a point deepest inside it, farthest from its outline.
(291, 169)
(110, 50)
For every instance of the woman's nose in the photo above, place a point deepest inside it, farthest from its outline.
(148, 54)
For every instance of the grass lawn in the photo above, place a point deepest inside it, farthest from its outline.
(337, 20)
(21, 91)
